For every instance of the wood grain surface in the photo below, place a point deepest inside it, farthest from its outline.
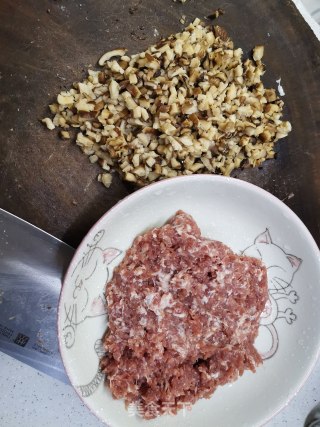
(47, 45)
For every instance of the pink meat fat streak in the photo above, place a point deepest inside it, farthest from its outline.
(183, 315)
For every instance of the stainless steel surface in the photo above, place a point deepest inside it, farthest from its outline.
(32, 264)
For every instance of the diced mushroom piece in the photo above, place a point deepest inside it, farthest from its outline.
(48, 122)
(258, 52)
(111, 54)
(106, 179)
(114, 89)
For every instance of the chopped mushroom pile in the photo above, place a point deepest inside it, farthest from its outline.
(187, 105)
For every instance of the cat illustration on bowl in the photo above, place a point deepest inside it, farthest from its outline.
(92, 269)
(281, 293)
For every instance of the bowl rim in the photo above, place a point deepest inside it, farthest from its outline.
(198, 177)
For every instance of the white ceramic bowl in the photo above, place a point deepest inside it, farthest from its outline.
(249, 220)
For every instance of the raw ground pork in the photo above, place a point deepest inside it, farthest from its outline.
(183, 316)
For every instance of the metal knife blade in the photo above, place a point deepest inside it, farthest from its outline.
(32, 265)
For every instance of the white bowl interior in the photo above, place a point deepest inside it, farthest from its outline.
(241, 216)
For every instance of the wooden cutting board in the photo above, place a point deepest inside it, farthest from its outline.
(47, 45)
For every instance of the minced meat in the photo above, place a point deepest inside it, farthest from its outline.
(183, 315)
